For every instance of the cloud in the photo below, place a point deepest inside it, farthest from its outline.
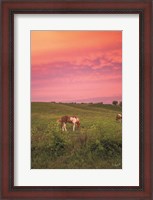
(84, 71)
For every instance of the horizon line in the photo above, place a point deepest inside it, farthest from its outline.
(73, 102)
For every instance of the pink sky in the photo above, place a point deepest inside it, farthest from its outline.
(78, 66)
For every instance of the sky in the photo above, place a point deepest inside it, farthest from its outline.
(76, 66)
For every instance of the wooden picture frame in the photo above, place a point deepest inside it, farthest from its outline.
(11, 7)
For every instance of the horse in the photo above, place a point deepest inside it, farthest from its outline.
(69, 119)
(119, 117)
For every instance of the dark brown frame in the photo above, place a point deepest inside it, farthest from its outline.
(11, 7)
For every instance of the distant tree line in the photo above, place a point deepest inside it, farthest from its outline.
(115, 102)
(76, 102)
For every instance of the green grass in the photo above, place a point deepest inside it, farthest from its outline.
(96, 145)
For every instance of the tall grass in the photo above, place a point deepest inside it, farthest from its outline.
(96, 145)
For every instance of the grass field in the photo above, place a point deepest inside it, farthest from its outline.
(96, 145)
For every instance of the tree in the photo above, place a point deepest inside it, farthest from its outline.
(115, 103)
(120, 104)
(100, 103)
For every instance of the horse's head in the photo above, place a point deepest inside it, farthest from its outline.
(58, 121)
(78, 123)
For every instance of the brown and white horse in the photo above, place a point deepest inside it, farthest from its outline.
(119, 117)
(69, 119)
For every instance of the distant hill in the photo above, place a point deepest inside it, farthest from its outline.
(105, 100)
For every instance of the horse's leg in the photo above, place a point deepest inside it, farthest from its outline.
(65, 127)
(74, 127)
(62, 126)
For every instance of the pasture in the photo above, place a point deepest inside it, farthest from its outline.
(96, 145)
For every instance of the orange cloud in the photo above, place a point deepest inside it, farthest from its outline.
(66, 64)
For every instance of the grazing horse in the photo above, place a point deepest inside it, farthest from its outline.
(69, 119)
(119, 117)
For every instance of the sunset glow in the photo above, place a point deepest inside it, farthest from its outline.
(76, 66)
